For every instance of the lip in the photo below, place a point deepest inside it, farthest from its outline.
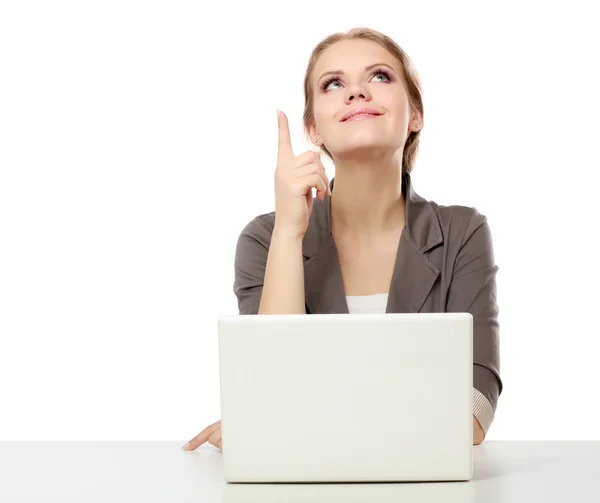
(358, 111)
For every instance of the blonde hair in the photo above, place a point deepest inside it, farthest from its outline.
(410, 77)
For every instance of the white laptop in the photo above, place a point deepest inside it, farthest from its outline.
(346, 397)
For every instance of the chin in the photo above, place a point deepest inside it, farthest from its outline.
(362, 148)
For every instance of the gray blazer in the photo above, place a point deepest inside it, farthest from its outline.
(445, 263)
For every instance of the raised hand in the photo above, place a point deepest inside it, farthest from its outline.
(295, 177)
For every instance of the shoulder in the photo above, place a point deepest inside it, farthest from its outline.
(458, 214)
(259, 228)
(458, 222)
(251, 252)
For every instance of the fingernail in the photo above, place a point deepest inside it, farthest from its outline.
(186, 446)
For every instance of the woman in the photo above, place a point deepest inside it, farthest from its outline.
(371, 244)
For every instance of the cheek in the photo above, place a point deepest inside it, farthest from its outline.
(390, 98)
(325, 112)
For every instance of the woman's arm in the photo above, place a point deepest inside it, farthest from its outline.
(473, 290)
(478, 434)
(269, 269)
(283, 291)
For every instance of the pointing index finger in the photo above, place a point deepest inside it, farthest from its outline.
(285, 143)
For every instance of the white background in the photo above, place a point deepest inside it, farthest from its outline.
(138, 138)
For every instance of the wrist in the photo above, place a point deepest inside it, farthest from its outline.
(284, 234)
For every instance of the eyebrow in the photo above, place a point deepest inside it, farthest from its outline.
(340, 72)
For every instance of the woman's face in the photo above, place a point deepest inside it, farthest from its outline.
(366, 75)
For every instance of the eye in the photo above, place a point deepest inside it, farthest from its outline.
(378, 71)
(328, 81)
(384, 73)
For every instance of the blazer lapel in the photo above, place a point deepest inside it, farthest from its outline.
(412, 279)
(413, 275)
(323, 283)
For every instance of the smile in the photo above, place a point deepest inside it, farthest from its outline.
(360, 117)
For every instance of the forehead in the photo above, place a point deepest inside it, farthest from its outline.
(351, 56)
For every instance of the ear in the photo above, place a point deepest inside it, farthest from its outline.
(313, 135)
(416, 122)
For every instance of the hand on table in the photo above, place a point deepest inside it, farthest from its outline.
(210, 434)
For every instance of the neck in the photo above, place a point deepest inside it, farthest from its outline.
(367, 197)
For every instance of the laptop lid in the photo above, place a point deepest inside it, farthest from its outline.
(346, 397)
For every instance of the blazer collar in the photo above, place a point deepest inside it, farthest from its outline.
(413, 275)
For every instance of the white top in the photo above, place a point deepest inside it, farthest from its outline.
(376, 304)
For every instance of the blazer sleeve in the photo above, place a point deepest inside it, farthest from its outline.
(250, 263)
(473, 290)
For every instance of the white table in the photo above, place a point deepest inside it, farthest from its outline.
(112, 472)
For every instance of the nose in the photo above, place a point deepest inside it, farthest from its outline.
(357, 91)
